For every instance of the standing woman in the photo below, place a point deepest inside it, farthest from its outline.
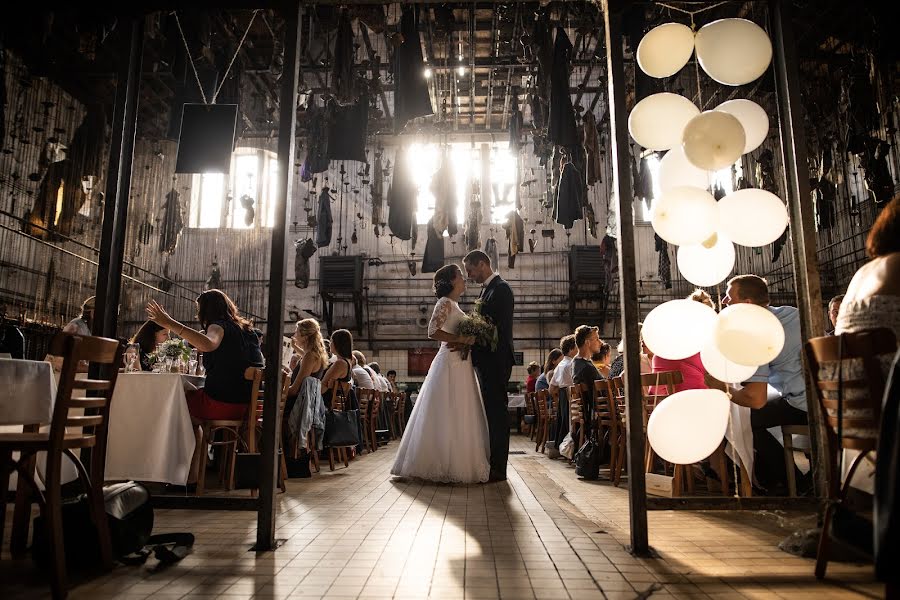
(229, 346)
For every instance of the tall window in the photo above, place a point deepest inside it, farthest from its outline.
(242, 199)
(465, 161)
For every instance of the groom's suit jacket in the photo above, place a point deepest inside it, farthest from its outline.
(497, 304)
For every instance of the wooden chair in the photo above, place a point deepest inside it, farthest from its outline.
(542, 425)
(373, 420)
(607, 416)
(851, 408)
(576, 413)
(58, 441)
(397, 413)
(552, 413)
(787, 433)
(231, 432)
(368, 414)
(254, 421)
(337, 404)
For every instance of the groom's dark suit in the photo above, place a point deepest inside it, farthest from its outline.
(494, 369)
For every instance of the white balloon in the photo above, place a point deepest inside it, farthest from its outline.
(657, 121)
(688, 426)
(713, 140)
(678, 329)
(733, 51)
(721, 368)
(752, 217)
(676, 170)
(753, 119)
(704, 266)
(685, 215)
(665, 49)
(748, 335)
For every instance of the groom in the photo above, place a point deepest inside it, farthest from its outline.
(494, 368)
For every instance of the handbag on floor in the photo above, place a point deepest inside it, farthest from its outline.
(591, 455)
(341, 426)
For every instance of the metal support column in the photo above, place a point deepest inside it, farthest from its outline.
(628, 296)
(803, 231)
(118, 184)
(268, 475)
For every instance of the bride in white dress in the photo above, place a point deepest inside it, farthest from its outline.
(446, 438)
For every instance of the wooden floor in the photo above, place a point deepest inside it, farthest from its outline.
(358, 533)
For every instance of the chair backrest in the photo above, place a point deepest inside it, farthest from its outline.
(605, 405)
(576, 403)
(616, 387)
(658, 386)
(540, 404)
(529, 403)
(258, 397)
(554, 401)
(105, 353)
(851, 362)
(375, 404)
(366, 398)
(340, 390)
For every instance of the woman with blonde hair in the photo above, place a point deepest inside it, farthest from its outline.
(308, 339)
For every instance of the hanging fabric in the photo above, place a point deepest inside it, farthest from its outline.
(569, 199)
(644, 183)
(377, 193)
(343, 81)
(214, 281)
(542, 49)
(779, 244)
(562, 130)
(316, 160)
(411, 97)
(490, 248)
(172, 223)
(433, 259)
(515, 235)
(402, 199)
(325, 222)
(304, 249)
(664, 268)
(443, 188)
(593, 164)
(347, 128)
(473, 220)
(515, 125)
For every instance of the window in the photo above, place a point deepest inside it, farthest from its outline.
(465, 161)
(722, 178)
(242, 199)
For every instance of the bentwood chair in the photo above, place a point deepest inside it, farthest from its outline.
(543, 422)
(849, 384)
(340, 393)
(255, 422)
(92, 422)
(368, 414)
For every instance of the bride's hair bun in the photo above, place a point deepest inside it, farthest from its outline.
(443, 280)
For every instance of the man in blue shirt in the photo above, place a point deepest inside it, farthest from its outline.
(784, 373)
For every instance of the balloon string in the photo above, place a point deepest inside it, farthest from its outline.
(691, 13)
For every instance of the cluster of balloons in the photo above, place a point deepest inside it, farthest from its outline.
(732, 52)
(688, 426)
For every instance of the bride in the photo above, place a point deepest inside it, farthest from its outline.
(446, 438)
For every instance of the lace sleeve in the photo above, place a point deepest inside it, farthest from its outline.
(439, 316)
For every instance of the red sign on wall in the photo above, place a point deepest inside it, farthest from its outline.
(419, 361)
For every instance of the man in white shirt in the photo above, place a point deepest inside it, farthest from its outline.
(360, 361)
(361, 377)
(381, 383)
(563, 377)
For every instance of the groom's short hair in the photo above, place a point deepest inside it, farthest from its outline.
(476, 256)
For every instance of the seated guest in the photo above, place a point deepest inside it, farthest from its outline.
(560, 381)
(834, 308)
(617, 368)
(601, 359)
(12, 341)
(341, 369)
(392, 379)
(587, 339)
(692, 372)
(361, 377)
(307, 340)
(533, 370)
(381, 384)
(83, 323)
(784, 373)
(331, 356)
(229, 346)
(543, 382)
(148, 337)
(299, 417)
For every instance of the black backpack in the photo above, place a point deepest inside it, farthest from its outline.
(130, 517)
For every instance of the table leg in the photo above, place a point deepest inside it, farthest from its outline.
(22, 512)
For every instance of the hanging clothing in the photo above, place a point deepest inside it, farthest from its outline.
(664, 268)
(779, 244)
(411, 97)
(473, 223)
(569, 199)
(172, 223)
(304, 249)
(515, 235)
(490, 248)
(562, 130)
(609, 255)
(433, 259)
(316, 160)
(325, 222)
(377, 193)
(343, 81)
(593, 165)
(542, 49)
(825, 198)
(401, 199)
(515, 126)
(443, 187)
(347, 128)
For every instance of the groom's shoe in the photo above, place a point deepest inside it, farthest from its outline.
(495, 476)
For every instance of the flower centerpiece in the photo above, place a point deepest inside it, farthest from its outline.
(171, 351)
(480, 327)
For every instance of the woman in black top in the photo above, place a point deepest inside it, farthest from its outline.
(229, 345)
(148, 337)
(341, 370)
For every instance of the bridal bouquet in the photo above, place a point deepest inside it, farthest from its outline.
(480, 327)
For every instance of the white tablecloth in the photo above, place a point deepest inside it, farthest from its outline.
(150, 432)
(516, 401)
(739, 435)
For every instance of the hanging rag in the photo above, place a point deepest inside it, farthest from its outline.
(644, 183)
(325, 222)
(562, 130)
(473, 221)
(569, 199)
(490, 248)
(377, 192)
(443, 188)
(401, 199)
(347, 128)
(593, 165)
(433, 259)
(308, 412)
(779, 244)
(172, 223)
(664, 269)
(343, 82)
(304, 249)
(515, 126)
(515, 235)
(609, 256)
(316, 160)
(542, 49)
(825, 197)
(411, 97)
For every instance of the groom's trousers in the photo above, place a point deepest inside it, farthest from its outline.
(493, 390)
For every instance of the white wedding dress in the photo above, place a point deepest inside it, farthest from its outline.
(446, 438)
